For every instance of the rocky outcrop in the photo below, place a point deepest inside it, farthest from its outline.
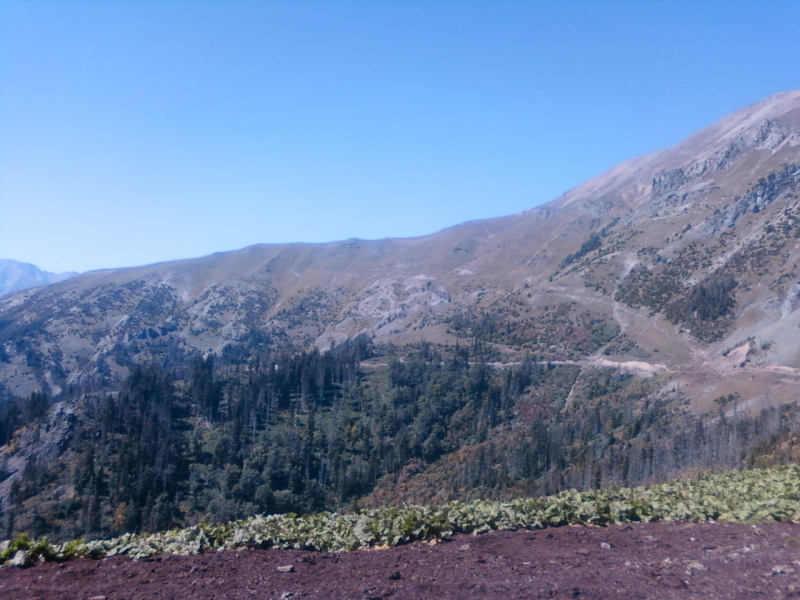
(665, 182)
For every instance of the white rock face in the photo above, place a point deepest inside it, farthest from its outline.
(19, 276)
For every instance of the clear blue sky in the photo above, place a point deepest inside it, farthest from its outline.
(136, 132)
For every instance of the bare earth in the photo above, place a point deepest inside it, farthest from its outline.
(658, 560)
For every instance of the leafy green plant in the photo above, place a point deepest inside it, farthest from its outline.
(743, 496)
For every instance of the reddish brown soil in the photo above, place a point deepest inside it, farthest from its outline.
(639, 561)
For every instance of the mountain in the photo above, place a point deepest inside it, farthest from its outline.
(19, 276)
(641, 326)
(687, 255)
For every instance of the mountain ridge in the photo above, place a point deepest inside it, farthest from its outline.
(15, 276)
(403, 289)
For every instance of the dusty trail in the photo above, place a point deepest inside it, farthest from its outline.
(657, 560)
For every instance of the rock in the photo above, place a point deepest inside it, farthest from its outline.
(605, 546)
(395, 576)
(286, 569)
(287, 595)
(695, 565)
(781, 570)
(665, 182)
(20, 559)
(464, 547)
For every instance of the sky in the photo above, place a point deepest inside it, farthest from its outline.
(142, 131)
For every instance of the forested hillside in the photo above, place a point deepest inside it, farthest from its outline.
(642, 326)
(217, 439)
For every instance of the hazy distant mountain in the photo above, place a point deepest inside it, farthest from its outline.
(16, 275)
(686, 259)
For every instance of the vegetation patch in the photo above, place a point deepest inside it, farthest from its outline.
(593, 243)
(744, 496)
(559, 331)
(704, 307)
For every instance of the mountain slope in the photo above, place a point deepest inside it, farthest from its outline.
(16, 275)
(683, 261)
(630, 331)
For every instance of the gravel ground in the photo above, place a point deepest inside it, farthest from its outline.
(656, 560)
